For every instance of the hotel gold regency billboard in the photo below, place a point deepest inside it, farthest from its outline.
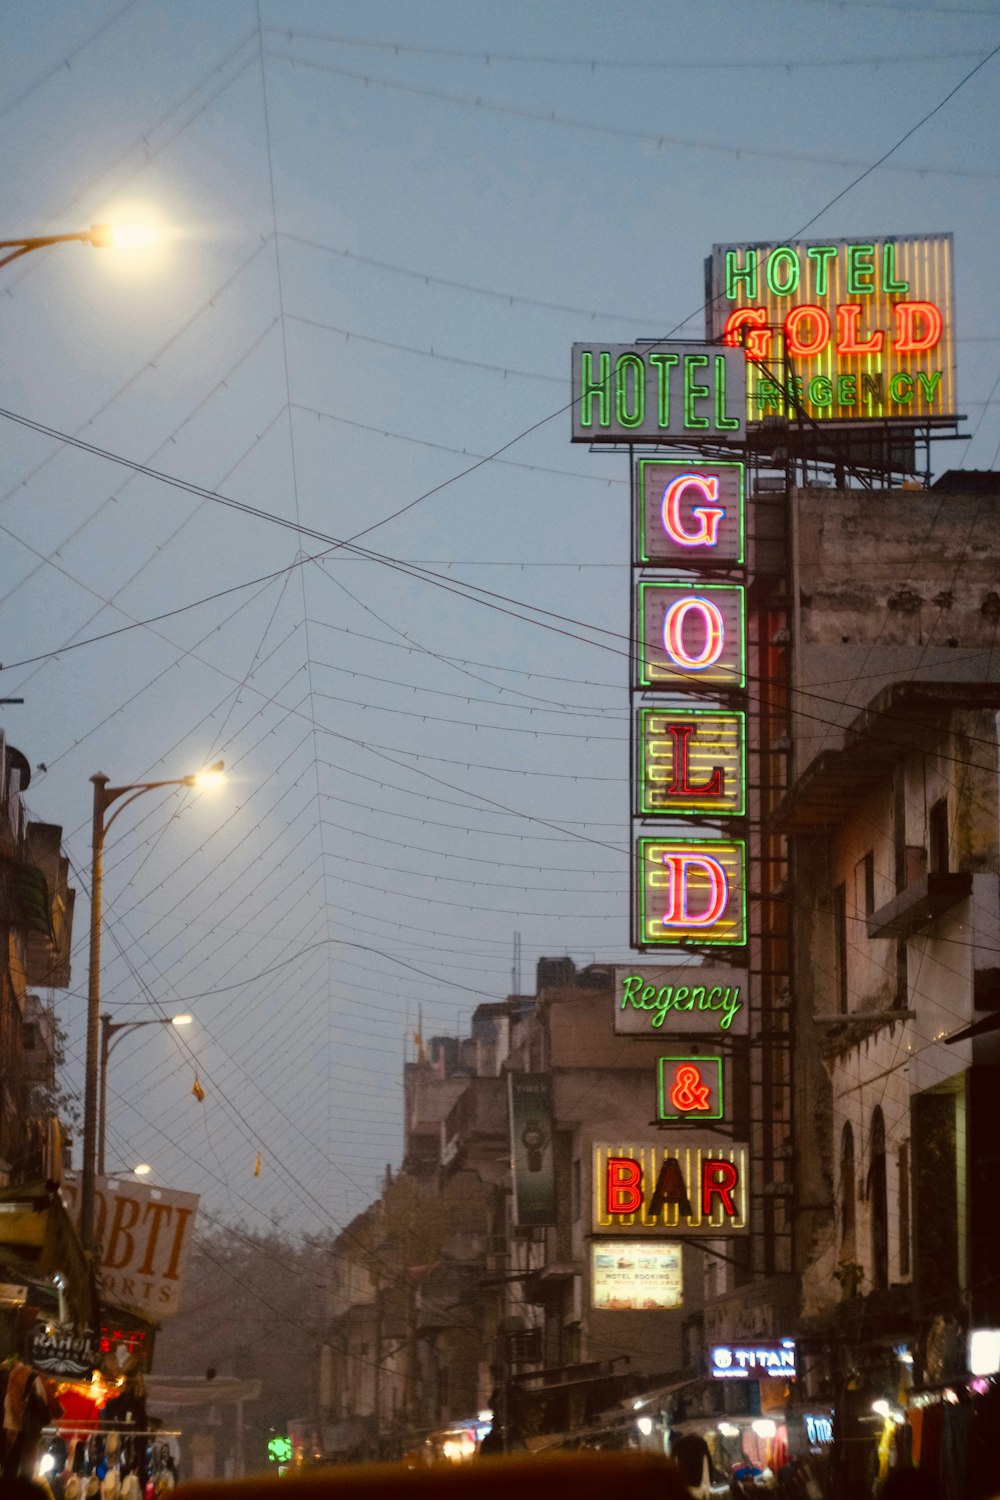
(840, 331)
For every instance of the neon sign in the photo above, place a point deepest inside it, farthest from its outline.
(774, 1360)
(683, 999)
(681, 1189)
(691, 761)
(689, 1089)
(691, 890)
(691, 636)
(629, 393)
(690, 513)
(842, 330)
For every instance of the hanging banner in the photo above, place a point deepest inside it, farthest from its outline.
(690, 761)
(629, 393)
(690, 636)
(692, 1187)
(690, 513)
(145, 1234)
(62, 1354)
(530, 1100)
(840, 330)
(690, 891)
(682, 1000)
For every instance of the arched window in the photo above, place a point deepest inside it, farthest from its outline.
(878, 1204)
(846, 1194)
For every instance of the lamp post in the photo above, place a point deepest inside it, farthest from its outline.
(104, 796)
(101, 236)
(109, 1029)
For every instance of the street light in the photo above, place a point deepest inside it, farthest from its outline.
(104, 795)
(109, 1028)
(101, 236)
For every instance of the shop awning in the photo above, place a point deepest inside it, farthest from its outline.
(197, 1390)
(37, 1233)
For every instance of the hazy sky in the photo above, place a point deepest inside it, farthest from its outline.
(383, 227)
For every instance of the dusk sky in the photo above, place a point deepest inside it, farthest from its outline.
(381, 228)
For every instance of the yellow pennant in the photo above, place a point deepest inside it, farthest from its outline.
(256, 1170)
(197, 1090)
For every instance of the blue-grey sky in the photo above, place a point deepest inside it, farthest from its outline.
(382, 226)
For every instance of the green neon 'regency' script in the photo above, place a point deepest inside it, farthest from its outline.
(660, 1000)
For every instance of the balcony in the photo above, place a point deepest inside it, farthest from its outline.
(924, 901)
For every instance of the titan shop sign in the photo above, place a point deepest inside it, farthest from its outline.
(693, 1188)
(767, 1360)
(690, 514)
(626, 393)
(840, 330)
(690, 636)
(690, 891)
(690, 761)
(681, 1000)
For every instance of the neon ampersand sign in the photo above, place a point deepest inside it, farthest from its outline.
(689, 1093)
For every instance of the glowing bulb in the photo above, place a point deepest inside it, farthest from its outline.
(211, 776)
(764, 1427)
(142, 1170)
(645, 1425)
(880, 1408)
(181, 1020)
(728, 1429)
(122, 236)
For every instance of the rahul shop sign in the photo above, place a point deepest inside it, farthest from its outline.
(840, 330)
(627, 393)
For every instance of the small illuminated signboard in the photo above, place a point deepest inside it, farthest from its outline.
(690, 761)
(840, 330)
(690, 891)
(690, 513)
(695, 1185)
(690, 636)
(765, 1360)
(627, 393)
(626, 1277)
(689, 1089)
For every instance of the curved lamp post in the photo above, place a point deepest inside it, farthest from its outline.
(110, 1029)
(104, 795)
(101, 236)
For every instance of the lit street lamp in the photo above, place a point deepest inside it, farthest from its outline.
(104, 795)
(101, 236)
(108, 1030)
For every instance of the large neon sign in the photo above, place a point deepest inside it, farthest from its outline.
(690, 1089)
(642, 393)
(691, 891)
(691, 1187)
(681, 999)
(691, 636)
(690, 761)
(690, 513)
(844, 331)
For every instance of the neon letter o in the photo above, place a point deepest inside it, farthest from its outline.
(673, 634)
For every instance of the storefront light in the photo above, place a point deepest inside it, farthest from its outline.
(645, 1425)
(984, 1351)
(764, 1427)
(728, 1429)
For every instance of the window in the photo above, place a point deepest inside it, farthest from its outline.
(847, 1190)
(868, 878)
(878, 1205)
(840, 944)
(576, 1193)
(937, 837)
(904, 1209)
